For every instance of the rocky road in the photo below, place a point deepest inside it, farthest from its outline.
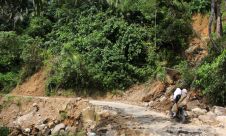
(152, 123)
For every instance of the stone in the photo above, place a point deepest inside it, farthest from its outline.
(78, 99)
(27, 130)
(56, 121)
(112, 133)
(163, 98)
(46, 131)
(57, 128)
(88, 114)
(51, 124)
(222, 120)
(219, 111)
(15, 132)
(91, 134)
(170, 90)
(146, 104)
(199, 111)
(207, 118)
(40, 127)
(35, 105)
(62, 132)
(71, 130)
(169, 79)
(156, 90)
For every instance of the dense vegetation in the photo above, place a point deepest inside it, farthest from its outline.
(100, 44)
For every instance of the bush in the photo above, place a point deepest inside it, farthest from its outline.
(211, 78)
(10, 62)
(39, 26)
(105, 53)
(32, 56)
(4, 131)
(199, 5)
(187, 74)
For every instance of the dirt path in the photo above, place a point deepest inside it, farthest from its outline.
(157, 124)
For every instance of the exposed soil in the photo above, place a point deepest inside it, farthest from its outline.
(198, 44)
(34, 86)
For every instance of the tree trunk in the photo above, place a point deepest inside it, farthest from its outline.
(211, 19)
(212, 14)
(219, 26)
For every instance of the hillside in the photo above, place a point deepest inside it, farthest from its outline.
(110, 67)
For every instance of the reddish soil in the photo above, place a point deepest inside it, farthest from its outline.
(200, 24)
(34, 86)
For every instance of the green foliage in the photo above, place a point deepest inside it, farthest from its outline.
(102, 44)
(211, 78)
(32, 56)
(200, 6)
(39, 26)
(8, 81)
(4, 131)
(10, 50)
(10, 62)
(187, 74)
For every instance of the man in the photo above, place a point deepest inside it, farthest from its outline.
(178, 97)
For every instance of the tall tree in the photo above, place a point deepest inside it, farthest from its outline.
(219, 27)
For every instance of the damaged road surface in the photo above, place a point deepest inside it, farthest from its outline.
(151, 123)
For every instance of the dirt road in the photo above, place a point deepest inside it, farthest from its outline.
(157, 124)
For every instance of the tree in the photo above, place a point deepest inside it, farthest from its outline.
(217, 15)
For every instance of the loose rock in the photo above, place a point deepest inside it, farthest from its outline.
(57, 128)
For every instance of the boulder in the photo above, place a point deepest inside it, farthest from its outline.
(91, 134)
(27, 130)
(199, 111)
(169, 79)
(207, 118)
(170, 90)
(219, 111)
(222, 120)
(88, 114)
(51, 124)
(46, 131)
(163, 98)
(71, 130)
(57, 128)
(156, 90)
(40, 127)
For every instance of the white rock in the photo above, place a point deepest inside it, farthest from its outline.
(219, 111)
(78, 99)
(73, 130)
(199, 111)
(146, 104)
(162, 99)
(222, 120)
(27, 130)
(57, 128)
(34, 104)
(91, 134)
(207, 118)
(50, 124)
(40, 127)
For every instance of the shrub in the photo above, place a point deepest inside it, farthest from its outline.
(199, 5)
(32, 56)
(211, 78)
(10, 62)
(187, 73)
(39, 26)
(4, 131)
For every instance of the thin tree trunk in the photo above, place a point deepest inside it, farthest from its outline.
(212, 15)
(219, 19)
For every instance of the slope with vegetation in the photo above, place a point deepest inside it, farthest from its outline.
(105, 45)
